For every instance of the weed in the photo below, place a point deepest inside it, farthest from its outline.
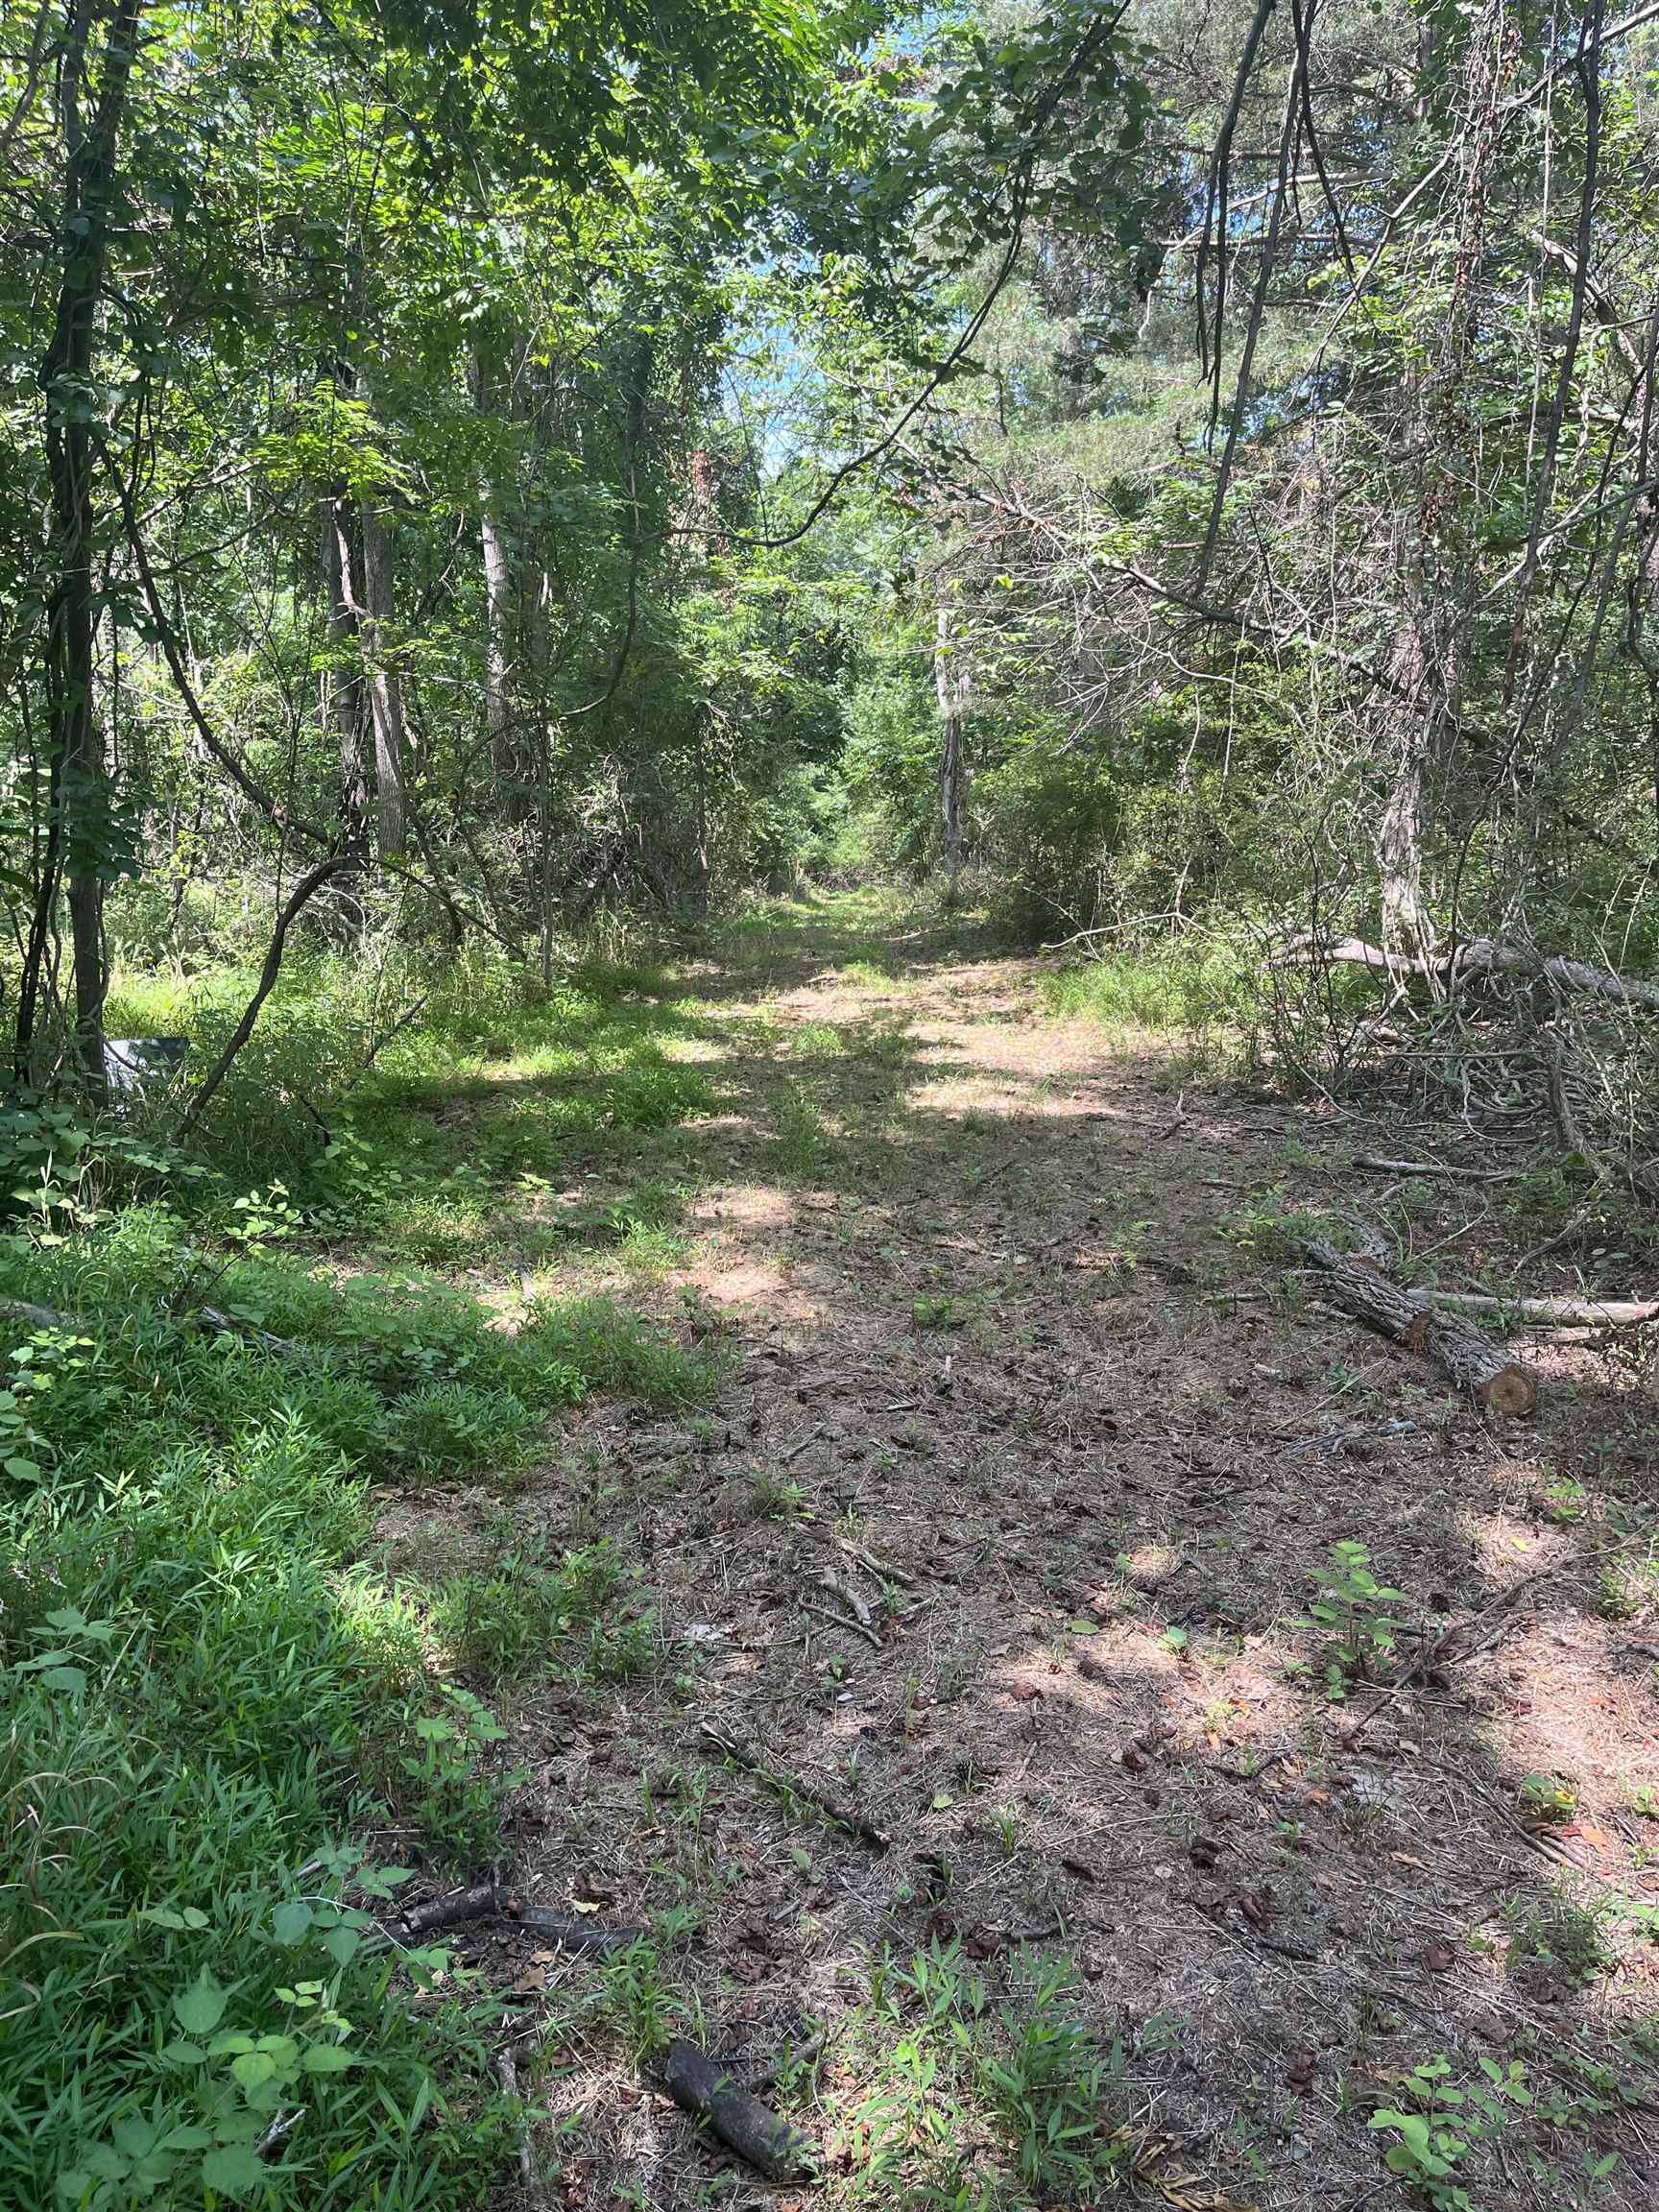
(1564, 1938)
(456, 1424)
(1022, 2075)
(775, 1496)
(1350, 1609)
(800, 1137)
(611, 1351)
(1546, 1798)
(1438, 2125)
(512, 1615)
(641, 2004)
(444, 1785)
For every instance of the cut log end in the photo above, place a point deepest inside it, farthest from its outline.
(1511, 1390)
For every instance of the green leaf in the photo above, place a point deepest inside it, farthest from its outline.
(342, 1945)
(290, 1921)
(255, 2068)
(327, 2058)
(202, 2006)
(237, 2170)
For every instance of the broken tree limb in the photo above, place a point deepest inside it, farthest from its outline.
(507, 2074)
(1380, 1166)
(586, 1938)
(883, 1570)
(1474, 1360)
(1589, 1312)
(791, 1785)
(843, 1620)
(1482, 957)
(849, 1597)
(757, 2134)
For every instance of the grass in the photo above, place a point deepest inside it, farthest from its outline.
(210, 1687)
(974, 2094)
(1200, 993)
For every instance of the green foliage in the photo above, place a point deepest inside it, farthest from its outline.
(597, 1340)
(1438, 2125)
(527, 1609)
(1350, 1608)
(1022, 2072)
(203, 1676)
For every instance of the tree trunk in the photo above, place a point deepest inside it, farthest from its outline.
(498, 586)
(78, 841)
(342, 681)
(950, 680)
(385, 682)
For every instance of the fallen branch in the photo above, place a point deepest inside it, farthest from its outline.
(1382, 1166)
(738, 2120)
(507, 2074)
(586, 1938)
(1481, 956)
(1469, 1356)
(1591, 1312)
(849, 1597)
(796, 1785)
(841, 1620)
(883, 1570)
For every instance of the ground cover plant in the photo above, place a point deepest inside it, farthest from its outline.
(218, 1699)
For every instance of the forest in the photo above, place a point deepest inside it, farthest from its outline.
(830, 1105)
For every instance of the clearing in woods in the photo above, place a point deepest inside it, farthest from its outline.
(1001, 1531)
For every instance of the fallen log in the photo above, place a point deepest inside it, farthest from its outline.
(1481, 956)
(772, 2146)
(206, 1318)
(586, 1938)
(1571, 1313)
(1476, 1361)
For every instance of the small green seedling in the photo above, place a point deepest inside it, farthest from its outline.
(1546, 1798)
(1350, 1608)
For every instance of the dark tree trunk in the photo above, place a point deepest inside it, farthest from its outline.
(77, 843)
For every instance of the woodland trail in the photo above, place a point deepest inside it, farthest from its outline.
(1004, 1529)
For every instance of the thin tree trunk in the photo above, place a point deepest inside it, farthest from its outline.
(78, 775)
(951, 681)
(385, 682)
(497, 585)
(342, 681)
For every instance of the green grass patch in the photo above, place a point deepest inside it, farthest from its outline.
(1193, 991)
(209, 1687)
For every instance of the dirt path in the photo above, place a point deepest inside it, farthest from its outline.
(1004, 1531)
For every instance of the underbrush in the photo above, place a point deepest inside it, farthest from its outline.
(209, 1687)
(1202, 992)
(363, 1052)
(973, 2095)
